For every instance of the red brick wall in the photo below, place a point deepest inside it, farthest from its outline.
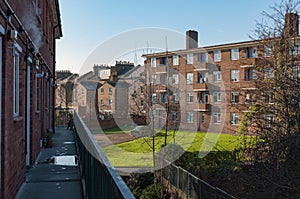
(14, 128)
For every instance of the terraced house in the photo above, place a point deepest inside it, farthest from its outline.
(204, 88)
(28, 31)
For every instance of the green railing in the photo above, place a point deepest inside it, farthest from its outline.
(100, 178)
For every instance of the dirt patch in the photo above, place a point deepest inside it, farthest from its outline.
(110, 139)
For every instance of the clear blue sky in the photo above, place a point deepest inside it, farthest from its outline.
(87, 24)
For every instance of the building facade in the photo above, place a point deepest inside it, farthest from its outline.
(206, 89)
(28, 30)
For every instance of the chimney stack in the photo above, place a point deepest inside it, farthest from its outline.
(291, 26)
(191, 39)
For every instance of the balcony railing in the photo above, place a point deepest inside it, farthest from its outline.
(100, 178)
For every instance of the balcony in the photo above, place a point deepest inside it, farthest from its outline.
(200, 87)
(202, 107)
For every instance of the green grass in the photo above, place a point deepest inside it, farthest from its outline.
(139, 152)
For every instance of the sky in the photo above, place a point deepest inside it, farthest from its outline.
(103, 31)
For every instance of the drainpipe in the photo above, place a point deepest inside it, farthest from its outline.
(54, 77)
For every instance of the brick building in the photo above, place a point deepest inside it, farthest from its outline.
(206, 88)
(28, 30)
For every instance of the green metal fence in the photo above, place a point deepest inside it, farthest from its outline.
(100, 178)
(190, 185)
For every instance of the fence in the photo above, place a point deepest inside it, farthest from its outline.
(100, 178)
(62, 116)
(190, 185)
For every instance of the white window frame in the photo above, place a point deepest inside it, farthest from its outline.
(190, 58)
(217, 98)
(153, 79)
(217, 76)
(190, 117)
(252, 52)
(101, 102)
(235, 54)
(153, 61)
(175, 60)
(234, 96)
(102, 91)
(190, 97)
(109, 102)
(175, 78)
(217, 55)
(203, 57)
(234, 119)
(203, 78)
(110, 91)
(235, 75)
(269, 73)
(269, 120)
(189, 78)
(154, 98)
(216, 117)
(16, 84)
(251, 74)
(175, 97)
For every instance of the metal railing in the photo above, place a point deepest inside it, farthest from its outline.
(190, 185)
(100, 177)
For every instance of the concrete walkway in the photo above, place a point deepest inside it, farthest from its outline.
(47, 180)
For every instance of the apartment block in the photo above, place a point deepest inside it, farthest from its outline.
(207, 88)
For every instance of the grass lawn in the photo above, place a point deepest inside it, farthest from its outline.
(139, 152)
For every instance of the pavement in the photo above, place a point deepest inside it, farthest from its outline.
(50, 177)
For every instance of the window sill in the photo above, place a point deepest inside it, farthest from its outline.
(18, 119)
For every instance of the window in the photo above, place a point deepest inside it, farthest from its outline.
(109, 102)
(203, 118)
(175, 116)
(268, 98)
(174, 78)
(163, 61)
(217, 55)
(102, 102)
(142, 103)
(190, 97)
(268, 51)
(217, 76)
(217, 97)
(163, 97)
(216, 118)
(154, 98)
(175, 60)
(202, 98)
(296, 72)
(203, 57)
(250, 74)
(235, 54)
(189, 78)
(101, 91)
(163, 79)
(202, 77)
(247, 98)
(189, 58)
(252, 52)
(234, 97)
(234, 119)
(110, 91)
(269, 120)
(295, 49)
(153, 62)
(175, 97)
(153, 79)
(190, 117)
(16, 85)
(268, 73)
(235, 75)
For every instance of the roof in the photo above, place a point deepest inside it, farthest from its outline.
(86, 76)
(207, 48)
(90, 85)
(129, 74)
(113, 84)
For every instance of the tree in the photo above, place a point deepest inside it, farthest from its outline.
(275, 112)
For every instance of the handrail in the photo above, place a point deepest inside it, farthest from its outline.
(101, 178)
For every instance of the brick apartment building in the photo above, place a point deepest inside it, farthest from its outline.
(28, 30)
(206, 88)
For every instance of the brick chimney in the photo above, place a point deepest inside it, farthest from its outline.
(191, 39)
(291, 26)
